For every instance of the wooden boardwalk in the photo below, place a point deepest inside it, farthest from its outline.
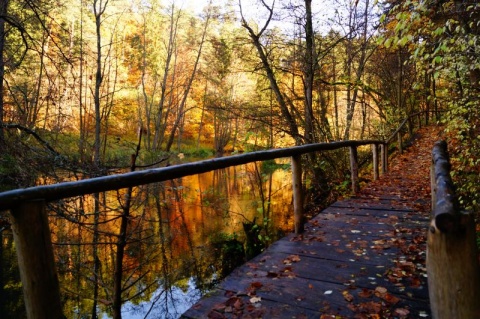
(362, 257)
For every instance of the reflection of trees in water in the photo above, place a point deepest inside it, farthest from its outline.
(11, 298)
(159, 250)
(173, 242)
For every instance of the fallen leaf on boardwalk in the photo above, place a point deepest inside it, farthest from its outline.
(415, 283)
(252, 266)
(232, 301)
(255, 299)
(347, 296)
(291, 259)
(380, 290)
(256, 284)
(370, 307)
(287, 269)
(391, 299)
(365, 293)
(219, 307)
(294, 258)
(328, 292)
(401, 312)
(238, 304)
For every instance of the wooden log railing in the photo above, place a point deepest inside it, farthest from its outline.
(32, 233)
(452, 258)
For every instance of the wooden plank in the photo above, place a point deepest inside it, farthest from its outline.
(381, 214)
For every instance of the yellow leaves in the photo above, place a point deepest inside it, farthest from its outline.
(291, 259)
(380, 290)
(347, 296)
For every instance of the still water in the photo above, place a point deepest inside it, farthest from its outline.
(182, 237)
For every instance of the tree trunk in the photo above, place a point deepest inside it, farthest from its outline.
(3, 13)
(98, 9)
(122, 240)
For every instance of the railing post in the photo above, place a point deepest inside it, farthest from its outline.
(36, 261)
(400, 143)
(384, 156)
(375, 161)
(297, 193)
(354, 168)
(452, 257)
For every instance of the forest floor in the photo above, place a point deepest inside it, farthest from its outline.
(362, 257)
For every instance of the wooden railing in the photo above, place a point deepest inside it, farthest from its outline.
(32, 233)
(452, 257)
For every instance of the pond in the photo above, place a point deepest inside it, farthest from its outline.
(182, 237)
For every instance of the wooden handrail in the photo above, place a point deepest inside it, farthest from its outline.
(10, 199)
(452, 257)
(445, 207)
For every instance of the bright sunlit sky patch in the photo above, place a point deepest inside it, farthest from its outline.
(327, 13)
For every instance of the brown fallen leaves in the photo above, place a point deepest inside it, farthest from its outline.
(380, 304)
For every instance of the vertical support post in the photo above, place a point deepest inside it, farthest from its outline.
(297, 193)
(419, 120)
(453, 270)
(400, 143)
(375, 161)
(384, 156)
(36, 262)
(354, 168)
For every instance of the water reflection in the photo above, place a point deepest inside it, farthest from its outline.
(180, 238)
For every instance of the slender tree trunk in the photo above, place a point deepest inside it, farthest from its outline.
(99, 7)
(335, 97)
(200, 126)
(159, 131)
(309, 72)
(96, 260)
(81, 141)
(122, 240)
(3, 12)
(181, 111)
